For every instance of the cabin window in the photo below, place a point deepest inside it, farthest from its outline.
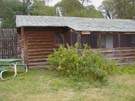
(59, 38)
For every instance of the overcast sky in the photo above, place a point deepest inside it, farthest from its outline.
(96, 3)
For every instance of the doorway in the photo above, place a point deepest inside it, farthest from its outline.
(105, 41)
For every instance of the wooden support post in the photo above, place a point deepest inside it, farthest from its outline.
(119, 41)
(79, 40)
(23, 45)
(71, 38)
(79, 43)
(99, 41)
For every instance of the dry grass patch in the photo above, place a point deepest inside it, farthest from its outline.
(43, 85)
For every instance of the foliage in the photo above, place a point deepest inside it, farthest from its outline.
(8, 10)
(75, 8)
(85, 65)
(90, 12)
(69, 8)
(41, 9)
(28, 6)
(120, 8)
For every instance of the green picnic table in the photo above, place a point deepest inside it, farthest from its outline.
(10, 62)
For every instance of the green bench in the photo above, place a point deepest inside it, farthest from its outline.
(6, 67)
(11, 63)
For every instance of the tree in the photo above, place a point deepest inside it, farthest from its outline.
(41, 9)
(91, 12)
(75, 8)
(69, 8)
(8, 10)
(120, 8)
(27, 6)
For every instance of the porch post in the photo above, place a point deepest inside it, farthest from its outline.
(99, 41)
(119, 40)
(71, 37)
(23, 46)
(79, 39)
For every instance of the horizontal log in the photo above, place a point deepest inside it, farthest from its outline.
(41, 43)
(38, 60)
(38, 57)
(115, 51)
(40, 66)
(32, 41)
(41, 37)
(120, 54)
(41, 46)
(38, 50)
(117, 58)
(119, 48)
(39, 33)
(38, 63)
(39, 53)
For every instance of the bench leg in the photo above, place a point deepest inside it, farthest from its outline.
(15, 70)
(26, 68)
(1, 73)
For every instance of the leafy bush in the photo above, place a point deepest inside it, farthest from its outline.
(84, 64)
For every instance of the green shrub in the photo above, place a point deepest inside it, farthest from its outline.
(82, 64)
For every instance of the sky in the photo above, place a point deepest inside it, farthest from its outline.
(96, 3)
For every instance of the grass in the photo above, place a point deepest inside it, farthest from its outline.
(44, 85)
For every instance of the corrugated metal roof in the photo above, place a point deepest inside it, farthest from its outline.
(77, 23)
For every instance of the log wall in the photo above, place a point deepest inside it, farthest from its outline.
(123, 55)
(38, 44)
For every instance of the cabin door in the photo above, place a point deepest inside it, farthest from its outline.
(109, 41)
(105, 41)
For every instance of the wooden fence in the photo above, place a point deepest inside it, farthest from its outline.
(8, 43)
(124, 55)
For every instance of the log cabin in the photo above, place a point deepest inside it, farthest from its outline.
(40, 35)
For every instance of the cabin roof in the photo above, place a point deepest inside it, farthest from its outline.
(77, 23)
